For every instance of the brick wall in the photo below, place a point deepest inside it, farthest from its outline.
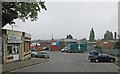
(55, 48)
(105, 44)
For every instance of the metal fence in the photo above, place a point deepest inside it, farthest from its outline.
(115, 52)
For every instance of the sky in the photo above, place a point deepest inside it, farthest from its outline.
(75, 18)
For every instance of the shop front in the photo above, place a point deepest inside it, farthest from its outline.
(13, 46)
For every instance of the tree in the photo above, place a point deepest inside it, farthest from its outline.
(84, 40)
(92, 36)
(108, 35)
(115, 35)
(117, 44)
(69, 36)
(22, 10)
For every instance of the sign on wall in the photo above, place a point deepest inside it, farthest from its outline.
(14, 39)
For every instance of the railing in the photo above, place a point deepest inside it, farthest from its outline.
(114, 52)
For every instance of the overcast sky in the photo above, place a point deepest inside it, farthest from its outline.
(75, 18)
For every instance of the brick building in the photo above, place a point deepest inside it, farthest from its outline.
(106, 44)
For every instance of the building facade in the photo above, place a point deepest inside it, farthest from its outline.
(106, 44)
(15, 46)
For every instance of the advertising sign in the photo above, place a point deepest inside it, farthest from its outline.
(14, 39)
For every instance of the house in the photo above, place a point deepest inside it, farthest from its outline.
(15, 46)
(106, 44)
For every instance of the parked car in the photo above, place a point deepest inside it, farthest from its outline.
(102, 58)
(64, 49)
(46, 48)
(92, 54)
(33, 53)
(43, 54)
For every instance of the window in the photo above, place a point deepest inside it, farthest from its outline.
(81, 45)
(9, 50)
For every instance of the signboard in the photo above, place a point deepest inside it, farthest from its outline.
(14, 39)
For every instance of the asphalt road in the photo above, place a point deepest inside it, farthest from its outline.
(70, 62)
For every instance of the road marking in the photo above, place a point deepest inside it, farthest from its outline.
(117, 66)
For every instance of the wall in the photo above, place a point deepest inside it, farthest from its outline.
(55, 48)
(106, 44)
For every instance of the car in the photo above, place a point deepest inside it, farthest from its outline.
(92, 54)
(64, 49)
(102, 58)
(46, 48)
(33, 53)
(43, 54)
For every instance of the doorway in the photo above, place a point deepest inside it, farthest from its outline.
(13, 49)
(16, 53)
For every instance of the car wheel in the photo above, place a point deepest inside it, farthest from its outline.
(97, 60)
(111, 60)
(35, 55)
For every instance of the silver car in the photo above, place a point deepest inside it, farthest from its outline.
(43, 54)
(33, 53)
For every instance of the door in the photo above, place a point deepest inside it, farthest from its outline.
(103, 58)
(16, 53)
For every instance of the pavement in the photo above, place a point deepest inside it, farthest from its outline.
(117, 62)
(21, 64)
